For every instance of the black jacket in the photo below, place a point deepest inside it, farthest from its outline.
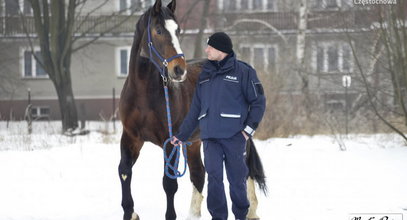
(228, 98)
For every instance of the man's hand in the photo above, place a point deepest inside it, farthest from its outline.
(175, 141)
(245, 135)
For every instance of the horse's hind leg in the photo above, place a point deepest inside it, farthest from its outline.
(130, 150)
(197, 175)
(255, 170)
(251, 195)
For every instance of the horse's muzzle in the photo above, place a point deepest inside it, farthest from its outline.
(178, 74)
(178, 71)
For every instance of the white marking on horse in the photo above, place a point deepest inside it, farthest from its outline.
(134, 216)
(196, 201)
(251, 195)
(172, 27)
(124, 177)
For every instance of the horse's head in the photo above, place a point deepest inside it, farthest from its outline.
(164, 33)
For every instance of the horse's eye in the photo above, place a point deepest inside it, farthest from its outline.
(158, 30)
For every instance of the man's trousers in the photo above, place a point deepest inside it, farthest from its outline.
(231, 152)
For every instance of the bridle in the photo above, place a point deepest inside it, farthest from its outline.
(153, 51)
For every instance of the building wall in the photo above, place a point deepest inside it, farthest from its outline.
(93, 73)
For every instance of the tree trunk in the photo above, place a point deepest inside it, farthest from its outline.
(199, 37)
(300, 58)
(302, 27)
(67, 105)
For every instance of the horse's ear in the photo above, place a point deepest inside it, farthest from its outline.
(157, 7)
(172, 5)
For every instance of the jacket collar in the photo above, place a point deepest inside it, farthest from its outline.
(219, 67)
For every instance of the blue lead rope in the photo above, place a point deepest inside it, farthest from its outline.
(176, 150)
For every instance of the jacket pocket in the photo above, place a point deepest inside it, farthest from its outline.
(230, 119)
(203, 114)
(230, 115)
(203, 121)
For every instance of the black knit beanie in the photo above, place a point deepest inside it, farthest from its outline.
(221, 41)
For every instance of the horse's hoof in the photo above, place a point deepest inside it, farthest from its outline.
(135, 217)
(193, 217)
(132, 216)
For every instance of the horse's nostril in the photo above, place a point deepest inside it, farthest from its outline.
(178, 71)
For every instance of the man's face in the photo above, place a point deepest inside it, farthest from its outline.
(214, 54)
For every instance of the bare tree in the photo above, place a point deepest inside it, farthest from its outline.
(57, 27)
(300, 56)
(202, 26)
(391, 49)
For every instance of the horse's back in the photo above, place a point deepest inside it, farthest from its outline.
(194, 67)
(197, 61)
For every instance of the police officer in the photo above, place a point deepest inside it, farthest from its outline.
(228, 105)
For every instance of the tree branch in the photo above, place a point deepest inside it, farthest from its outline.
(99, 36)
(261, 22)
(370, 97)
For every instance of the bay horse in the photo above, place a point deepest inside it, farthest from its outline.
(143, 112)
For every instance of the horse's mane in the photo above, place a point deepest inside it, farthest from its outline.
(138, 35)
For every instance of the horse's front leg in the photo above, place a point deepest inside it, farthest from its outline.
(197, 176)
(130, 151)
(170, 187)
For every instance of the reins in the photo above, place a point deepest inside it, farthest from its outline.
(176, 150)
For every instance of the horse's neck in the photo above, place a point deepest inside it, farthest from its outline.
(146, 77)
(148, 81)
(144, 53)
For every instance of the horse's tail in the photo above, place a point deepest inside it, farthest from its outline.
(256, 171)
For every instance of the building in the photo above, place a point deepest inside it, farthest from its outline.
(269, 34)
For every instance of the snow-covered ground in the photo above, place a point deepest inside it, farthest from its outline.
(49, 176)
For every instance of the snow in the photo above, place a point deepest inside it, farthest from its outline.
(49, 176)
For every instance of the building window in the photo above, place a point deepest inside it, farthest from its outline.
(246, 5)
(331, 4)
(231, 5)
(14, 7)
(333, 57)
(257, 4)
(31, 66)
(270, 5)
(122, 60)
(131, 6)
(40, 112)
(261, 57)
(335, 104)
